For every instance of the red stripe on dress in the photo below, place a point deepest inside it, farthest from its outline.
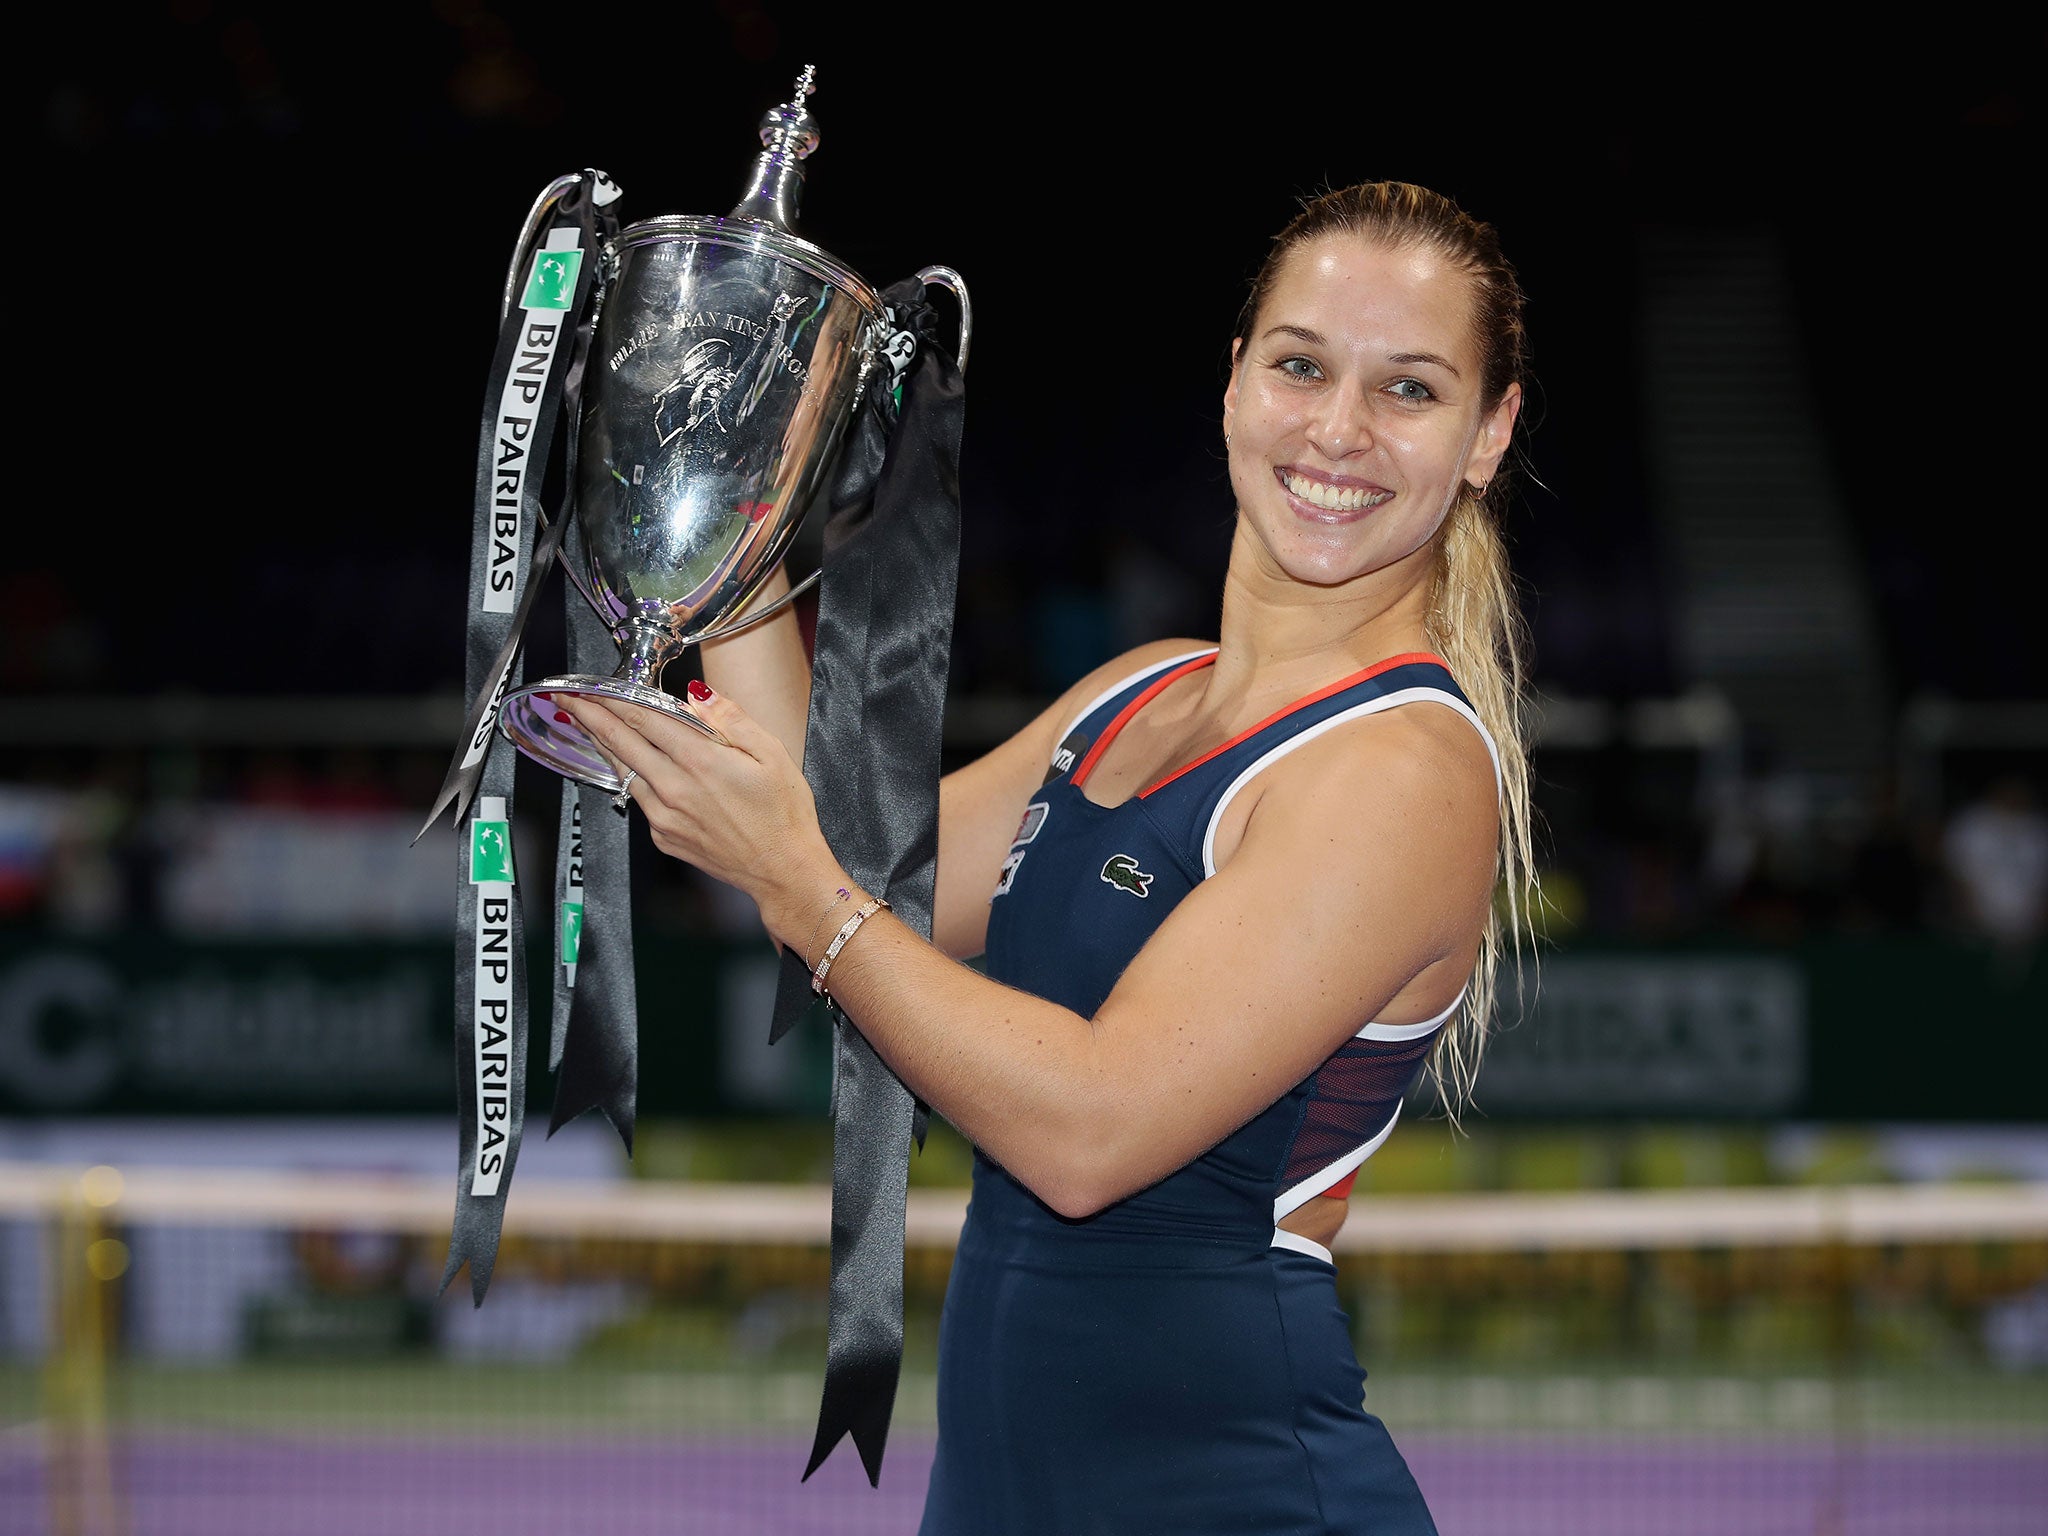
(1407, 658)
(1124, 715)
(1341, 1190)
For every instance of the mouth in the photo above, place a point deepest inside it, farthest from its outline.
(1331, 501)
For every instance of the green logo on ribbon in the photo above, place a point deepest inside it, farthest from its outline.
(490, 852)
(552, 283)
(572, 931)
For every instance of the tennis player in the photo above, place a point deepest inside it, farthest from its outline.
(1234, 896)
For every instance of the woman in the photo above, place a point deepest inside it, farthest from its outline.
(1242, 893)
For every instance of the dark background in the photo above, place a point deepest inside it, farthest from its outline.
(273, 243)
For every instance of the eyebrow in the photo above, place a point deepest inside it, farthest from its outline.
(1406, 359)
(1427, 357)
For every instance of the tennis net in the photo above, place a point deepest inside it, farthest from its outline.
(191, 1351)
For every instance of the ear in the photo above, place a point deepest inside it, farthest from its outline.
(1230, 389)
(1496, 431)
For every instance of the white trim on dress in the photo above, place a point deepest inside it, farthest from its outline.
(1411, 1031)
(1295, 1242)
(1342, 717)
(1297, 1196)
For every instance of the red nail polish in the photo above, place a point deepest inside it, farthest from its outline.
(698, 691)
(548, 696)
(561, 719)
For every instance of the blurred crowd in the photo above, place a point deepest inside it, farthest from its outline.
(1648, 843)
(317, 842)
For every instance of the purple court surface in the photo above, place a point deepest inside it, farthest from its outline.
(205, 1484)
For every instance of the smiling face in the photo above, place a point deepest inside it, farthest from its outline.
(1356, 412)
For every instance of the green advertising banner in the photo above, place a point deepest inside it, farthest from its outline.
(1839, 1030)
(155, 1026)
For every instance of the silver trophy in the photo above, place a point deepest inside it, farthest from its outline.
(728, 359)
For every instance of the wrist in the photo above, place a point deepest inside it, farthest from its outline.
(808, 904)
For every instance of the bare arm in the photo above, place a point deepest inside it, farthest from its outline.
(1364, 869)
(766, 671)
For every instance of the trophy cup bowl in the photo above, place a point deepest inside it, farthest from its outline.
(728, 359)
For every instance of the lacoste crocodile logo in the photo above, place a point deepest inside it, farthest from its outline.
(1122, 872)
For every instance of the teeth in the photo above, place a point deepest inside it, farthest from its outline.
(1334, 498)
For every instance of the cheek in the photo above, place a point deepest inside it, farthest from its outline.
(1269, 412)
(1428, 450)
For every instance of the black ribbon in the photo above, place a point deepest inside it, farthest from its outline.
(536, 372)
(871, 756)
(594, 1045)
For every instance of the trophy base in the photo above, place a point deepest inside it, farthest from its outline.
(546, 734)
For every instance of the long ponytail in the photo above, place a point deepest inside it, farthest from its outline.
(1476, 625)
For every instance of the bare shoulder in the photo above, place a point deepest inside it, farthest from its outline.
(1420, 770)
(1422, 752)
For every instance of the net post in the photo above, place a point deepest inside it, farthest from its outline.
(83, 1264)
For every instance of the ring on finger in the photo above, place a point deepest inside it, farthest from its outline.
(623, 800)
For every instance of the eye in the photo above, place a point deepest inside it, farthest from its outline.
(1411, 389)
(1299, 368)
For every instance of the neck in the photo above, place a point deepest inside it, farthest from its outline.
(1291, 637)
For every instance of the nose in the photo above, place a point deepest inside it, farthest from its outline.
(1340, 424)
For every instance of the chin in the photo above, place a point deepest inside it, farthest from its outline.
(1323, 571)
(1336, 562)
(1320, 557)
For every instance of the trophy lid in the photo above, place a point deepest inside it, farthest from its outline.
(788, 134)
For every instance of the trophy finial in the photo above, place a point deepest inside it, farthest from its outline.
(790, 127)
(788, 135)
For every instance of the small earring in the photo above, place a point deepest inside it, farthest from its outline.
(1226, 440)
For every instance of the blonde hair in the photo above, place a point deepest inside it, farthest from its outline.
(1473, 620)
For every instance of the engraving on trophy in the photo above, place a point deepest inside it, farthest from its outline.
(703, 383)
(706, 384)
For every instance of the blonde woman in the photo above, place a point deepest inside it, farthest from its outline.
(1234, 897)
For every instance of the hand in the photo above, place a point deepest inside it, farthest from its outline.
(741, 813)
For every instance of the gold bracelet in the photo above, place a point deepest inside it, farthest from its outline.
(852, 926)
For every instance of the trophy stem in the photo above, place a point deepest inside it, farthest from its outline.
(649, 649)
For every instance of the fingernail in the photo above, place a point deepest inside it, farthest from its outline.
(548, 696)
(698, 691)
(561, 719)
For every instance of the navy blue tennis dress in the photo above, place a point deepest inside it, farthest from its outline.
(1174, 1364)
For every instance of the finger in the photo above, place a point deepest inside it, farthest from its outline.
(563, 717)
(675, 738)
(617, 740)
(731, 721)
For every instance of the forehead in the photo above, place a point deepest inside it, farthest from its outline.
(1406, 297)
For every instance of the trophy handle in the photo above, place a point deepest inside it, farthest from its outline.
(576, 577)
(550, 195)
(931, 277)
(522, 250)
(751, 619)
(955, 284)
